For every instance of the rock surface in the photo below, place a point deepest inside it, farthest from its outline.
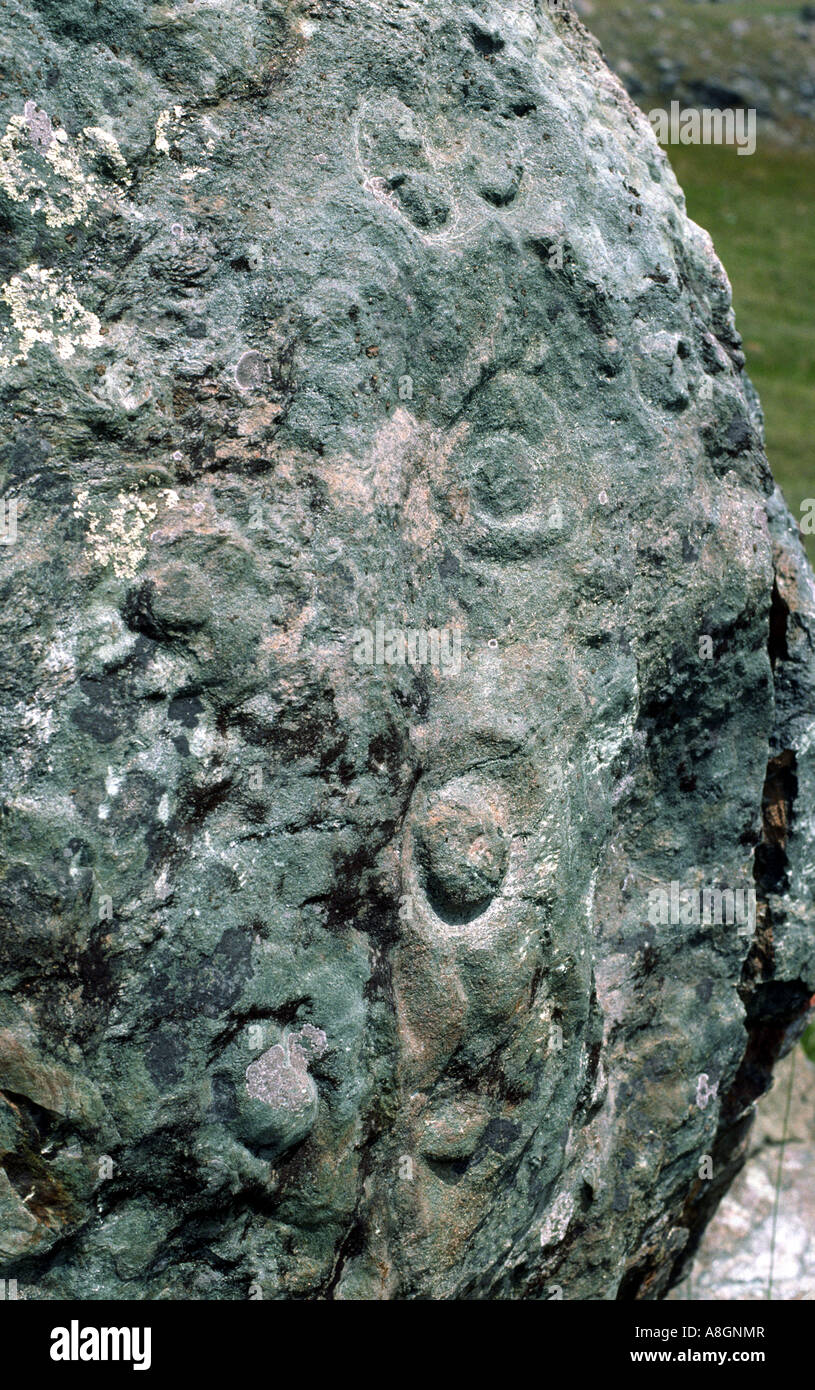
(399, 597)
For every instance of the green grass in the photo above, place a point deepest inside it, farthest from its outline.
(760, 211)
(628, 27)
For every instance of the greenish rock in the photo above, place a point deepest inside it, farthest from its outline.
(399, 599)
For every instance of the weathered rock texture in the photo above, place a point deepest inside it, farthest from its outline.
(324, 979)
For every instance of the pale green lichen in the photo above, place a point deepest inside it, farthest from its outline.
(117, 536)
(42, 168)
(45, 309)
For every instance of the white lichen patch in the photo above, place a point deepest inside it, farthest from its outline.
(113, 784)
(45, 309)
(41, 167)
(39, 721)
(163, 124)
(117, 536)
(126, 386)
(59, 661)
(202, 741)
(556, 1221)
(109, 145)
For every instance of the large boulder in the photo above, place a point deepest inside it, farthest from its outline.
(402, 631)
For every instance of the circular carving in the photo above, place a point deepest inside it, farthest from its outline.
(461, 851)
(251, 371)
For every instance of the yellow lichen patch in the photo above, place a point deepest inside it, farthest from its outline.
(45, 309)
(41, 167)
(118, 535)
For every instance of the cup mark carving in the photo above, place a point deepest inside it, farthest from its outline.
(461, 846)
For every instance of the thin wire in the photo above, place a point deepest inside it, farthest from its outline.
(778, 1179)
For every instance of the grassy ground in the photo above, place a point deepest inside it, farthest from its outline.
(716, 42)
(760, 212)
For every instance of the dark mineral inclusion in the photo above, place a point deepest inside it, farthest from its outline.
(396, 597)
